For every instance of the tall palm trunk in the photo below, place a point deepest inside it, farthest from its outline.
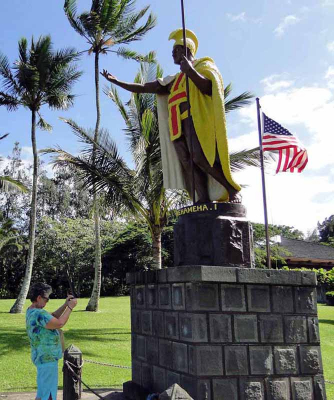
(156, 247)
(19, 303)
(93, 304)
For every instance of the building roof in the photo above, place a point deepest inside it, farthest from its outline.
(307, 251)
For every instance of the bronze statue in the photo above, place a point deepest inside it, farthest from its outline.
(206, 125)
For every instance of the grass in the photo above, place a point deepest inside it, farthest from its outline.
(104, 337)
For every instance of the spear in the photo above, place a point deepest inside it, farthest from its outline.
(188, 104)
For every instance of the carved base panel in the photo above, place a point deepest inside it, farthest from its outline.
(226, 333)
(213, 234)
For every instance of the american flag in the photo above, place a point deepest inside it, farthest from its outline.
(292, 156)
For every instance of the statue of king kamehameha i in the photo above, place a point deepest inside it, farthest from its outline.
(205, 127)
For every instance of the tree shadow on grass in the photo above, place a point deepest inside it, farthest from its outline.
(326, 321)
(18, 339)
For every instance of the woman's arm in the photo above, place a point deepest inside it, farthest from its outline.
(57, 323)
(61, 309)
(203, 84)
(149, 87)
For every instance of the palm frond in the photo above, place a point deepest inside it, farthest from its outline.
(70, 8)
(240, 160)
(240, 101)
(7, 184)
(10, 102)
(128, 54)
(43, 124)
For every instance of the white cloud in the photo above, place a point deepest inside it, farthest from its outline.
(287, 21)
(327, 3)
(239, 17)
(299, 200)
(275, 82)
(330, 47)
(330, 77)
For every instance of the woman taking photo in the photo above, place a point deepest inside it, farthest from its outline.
(45, 339)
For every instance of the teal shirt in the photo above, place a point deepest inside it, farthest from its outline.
(45, 343)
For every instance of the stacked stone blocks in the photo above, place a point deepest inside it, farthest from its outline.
(227, 333)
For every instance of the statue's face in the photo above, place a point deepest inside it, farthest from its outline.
(178, 52)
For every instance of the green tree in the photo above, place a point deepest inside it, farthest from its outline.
(326, 230)
(109, 23)
(7, 182)
(41, 76)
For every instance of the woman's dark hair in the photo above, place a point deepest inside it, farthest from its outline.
(39, 289)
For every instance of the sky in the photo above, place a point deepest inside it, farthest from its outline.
(281, 50)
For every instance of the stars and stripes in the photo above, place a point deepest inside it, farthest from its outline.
(292, 156)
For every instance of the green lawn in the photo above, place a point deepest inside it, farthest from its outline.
(105, 337)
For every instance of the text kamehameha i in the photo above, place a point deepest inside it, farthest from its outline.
(195, 209)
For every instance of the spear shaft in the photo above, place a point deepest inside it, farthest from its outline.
(188, 106)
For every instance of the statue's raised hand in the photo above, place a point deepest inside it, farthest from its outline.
(108, 76)
(185, 65)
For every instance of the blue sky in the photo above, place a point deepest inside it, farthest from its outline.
(281, 50)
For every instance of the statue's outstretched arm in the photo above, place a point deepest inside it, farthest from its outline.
(149, 87)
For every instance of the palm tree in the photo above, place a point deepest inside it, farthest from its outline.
(141, 191)
(8, 183)
(109, 23)
(41, 76)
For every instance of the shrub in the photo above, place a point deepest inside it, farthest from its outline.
(330, 298)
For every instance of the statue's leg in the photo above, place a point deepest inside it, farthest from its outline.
(201, 184)
(200, 160)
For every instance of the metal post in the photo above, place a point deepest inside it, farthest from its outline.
(72, 385)
(263, 184)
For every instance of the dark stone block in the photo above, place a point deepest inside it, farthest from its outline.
(286, 360)
(309, 278)
(205, 360)
(180, 357)
(245, 328)
(310, 358)
(251, 389)
(306, 300)
(147, 376)
(220, 328)
(197, 388)
(236, 360)
(271, 328)
(159, 379)
(172, 378)
(261, 360)
(225, 389)
(165, 297)
(147, 322)
(278, 389)
(233, 298)
(269, 276)
(258, 298)
(162, 275)
(165, 353)
(171, 325)
(136, 321)
(198, 273)
(158, 324)
(140, 296)
(319, 388)
(295, 329)
(178, 296)
(136, 372)
(282, 299)
(202, 297)
(141, 347)
(152, 350)
(313, 329)
(152, 296)
(133, 391)
(302, 388)
(193, 327)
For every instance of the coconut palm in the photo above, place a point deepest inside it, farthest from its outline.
(141, 191)
(41, 76)
(8, 183)
(108, 25)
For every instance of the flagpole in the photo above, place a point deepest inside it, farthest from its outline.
(188, 106)
(263, 184)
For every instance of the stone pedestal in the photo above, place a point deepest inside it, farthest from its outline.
(228, 331)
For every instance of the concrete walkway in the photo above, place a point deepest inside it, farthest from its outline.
(107, 394)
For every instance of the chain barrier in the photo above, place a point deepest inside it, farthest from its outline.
(330, 382)
(107, 365)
